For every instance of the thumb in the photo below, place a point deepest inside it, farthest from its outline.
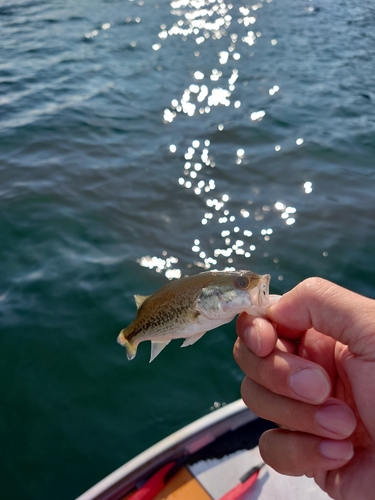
(330, 309)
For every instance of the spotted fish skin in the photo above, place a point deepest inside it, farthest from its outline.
(188, 307)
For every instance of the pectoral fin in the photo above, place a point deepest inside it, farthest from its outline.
(209, 303)
(156, 348)
(191, 340)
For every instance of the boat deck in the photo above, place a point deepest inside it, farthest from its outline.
(204, 461)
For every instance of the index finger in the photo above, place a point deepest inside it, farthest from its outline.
(330, 309)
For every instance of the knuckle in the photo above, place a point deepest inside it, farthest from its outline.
(314, 284)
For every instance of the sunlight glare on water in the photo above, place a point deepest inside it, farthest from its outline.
(196, 20)
(217, 21)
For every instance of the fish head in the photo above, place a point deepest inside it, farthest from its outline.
(231, 293)
(252, 291)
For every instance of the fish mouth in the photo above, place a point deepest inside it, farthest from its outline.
(260, 295)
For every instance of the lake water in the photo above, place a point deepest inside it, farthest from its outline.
(145, 140)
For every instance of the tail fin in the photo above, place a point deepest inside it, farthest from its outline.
(131, 349)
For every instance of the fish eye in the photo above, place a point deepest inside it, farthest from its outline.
(241, 282)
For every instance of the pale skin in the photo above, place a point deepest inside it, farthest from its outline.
(310, 367)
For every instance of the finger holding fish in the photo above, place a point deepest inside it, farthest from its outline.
(257, 333)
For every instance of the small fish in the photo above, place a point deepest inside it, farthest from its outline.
(189, 307)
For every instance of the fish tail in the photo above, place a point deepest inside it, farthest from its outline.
(131, 349)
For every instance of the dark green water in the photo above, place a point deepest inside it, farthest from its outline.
(144, 140)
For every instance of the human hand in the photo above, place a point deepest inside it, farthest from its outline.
(310, 367)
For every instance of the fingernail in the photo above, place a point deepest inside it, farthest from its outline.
(252, 339)
(336, 450)
(336, 418)
(311, 384)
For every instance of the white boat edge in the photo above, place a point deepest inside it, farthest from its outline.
(188, 439)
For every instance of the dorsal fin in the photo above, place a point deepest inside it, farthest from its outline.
(139, 299)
